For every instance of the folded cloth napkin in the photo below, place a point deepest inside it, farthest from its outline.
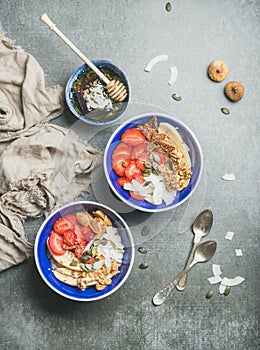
(25, 102)
(42, 166)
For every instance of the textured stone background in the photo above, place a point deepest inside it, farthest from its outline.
(130, 33)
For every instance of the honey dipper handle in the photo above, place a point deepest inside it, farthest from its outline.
(45, 19)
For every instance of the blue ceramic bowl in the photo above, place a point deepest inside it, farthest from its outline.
(195, 155)
(104, 120)
(44, 265)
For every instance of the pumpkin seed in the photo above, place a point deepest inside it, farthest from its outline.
(143, 266)
(176, 97)
(209, 294)
(225, 110)
(168, 7)
(142, 250)
(147, 165)
(146, 230)
(226, 291)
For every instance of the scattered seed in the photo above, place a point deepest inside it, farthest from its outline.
(142, 250)
(176, 97)
(146, 230)
(225, 110)
(168, 7)
(226, 291)
(143, 266)
(156, 158)
(209, 294)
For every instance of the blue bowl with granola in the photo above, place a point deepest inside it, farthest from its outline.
(153, 162)
(84, 251)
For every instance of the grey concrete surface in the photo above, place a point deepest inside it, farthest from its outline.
(130, 33)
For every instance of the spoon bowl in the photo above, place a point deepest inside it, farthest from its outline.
(203, 223)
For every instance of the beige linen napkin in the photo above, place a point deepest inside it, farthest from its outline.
(25, 102)
(42, 166)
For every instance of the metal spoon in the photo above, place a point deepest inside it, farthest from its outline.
(203, 253)
(115, 89)
(201, 227)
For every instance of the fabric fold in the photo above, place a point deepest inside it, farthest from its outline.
(25, 102)
(42, 166)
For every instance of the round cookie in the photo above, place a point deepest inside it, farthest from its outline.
(234, 91)
(218, 71)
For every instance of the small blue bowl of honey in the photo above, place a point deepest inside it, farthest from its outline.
(87, 98)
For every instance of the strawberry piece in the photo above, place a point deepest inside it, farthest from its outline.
(136, 196)
(140, 164)
(55, 243)
(62, 225)
(119, 165)
(122, 181)
(71, 218)
(138, 150)
(123, 150)
(87, 233)
(133, 137)
(78, 251)
(69, 238)
(132, 169)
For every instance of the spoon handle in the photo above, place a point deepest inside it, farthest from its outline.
(160, 297)
(183, 279)
(45, 19)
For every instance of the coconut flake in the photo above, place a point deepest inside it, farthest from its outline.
(229, 235)
(157, 194)
(173, 77)
(216, 270)
(228, 177)
(167, 196)
(214, 279)
(231, 282)
(154, 61)
(238, 252)
(222, 288)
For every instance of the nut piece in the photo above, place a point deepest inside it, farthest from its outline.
(234, 91)
(218, 71)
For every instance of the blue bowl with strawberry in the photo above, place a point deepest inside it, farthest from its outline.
(84, 251)
(153, 162)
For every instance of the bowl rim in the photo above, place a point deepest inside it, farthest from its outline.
(129, 236)
(164, 115)
(67, 92)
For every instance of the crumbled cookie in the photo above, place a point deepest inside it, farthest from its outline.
(218, 71)
(234, 91)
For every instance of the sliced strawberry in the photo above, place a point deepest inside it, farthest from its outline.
(145, 157)
(70, 238)
(78, 251)
(122, 181)
(71, 218)
(133, 137)
(138, 150)
(123, 150)
(136, 196)
(62, 225)
(139, 178)
(87, 233)
(131, 170)
(67, 247)
(55, 243)
(119, 164)
(140, 164)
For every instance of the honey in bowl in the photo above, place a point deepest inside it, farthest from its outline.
(91, 100)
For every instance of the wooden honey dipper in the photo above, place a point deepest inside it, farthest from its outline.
(115, 89)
